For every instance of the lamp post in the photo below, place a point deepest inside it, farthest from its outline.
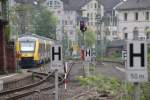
(99, 39)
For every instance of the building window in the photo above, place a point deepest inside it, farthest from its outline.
(59, 12)
(125, 16)
(125, 35)
(55, 2)
(71, 22)
(91, 5)
(136, 16)
(50, 3)
(65, 22)
(91, 16)
(95, 5)
(135, 33)
(147, 32)
(88, 6)
(147, 16)
(88, 15)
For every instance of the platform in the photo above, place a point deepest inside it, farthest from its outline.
(15, 80)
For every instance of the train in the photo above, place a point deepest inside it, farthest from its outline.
(33, 50)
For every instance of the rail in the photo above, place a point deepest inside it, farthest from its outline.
(30, 92)
(26, 87)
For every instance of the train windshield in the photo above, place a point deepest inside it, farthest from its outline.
(27, 46)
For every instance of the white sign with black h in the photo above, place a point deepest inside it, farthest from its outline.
(56, 57)
(88, 55)
(137, 61)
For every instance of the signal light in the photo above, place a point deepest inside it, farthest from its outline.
(83, 27)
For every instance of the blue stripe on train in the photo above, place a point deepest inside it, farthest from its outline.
(27, 62)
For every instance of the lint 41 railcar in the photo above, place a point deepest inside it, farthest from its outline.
(34, 50)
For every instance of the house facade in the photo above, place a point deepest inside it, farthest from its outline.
(110, 19)
(89, 11)
(134, 19)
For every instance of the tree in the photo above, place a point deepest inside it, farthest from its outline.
(44, 23)
(89, 38)
(26, 18)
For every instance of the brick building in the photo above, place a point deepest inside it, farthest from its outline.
(7, 54)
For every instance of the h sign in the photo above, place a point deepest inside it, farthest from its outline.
(136, 69)
(87, 55)
(137, 55)
(56, 58)
(56, 53)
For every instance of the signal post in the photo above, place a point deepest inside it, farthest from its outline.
(57, 65)
(83, 28)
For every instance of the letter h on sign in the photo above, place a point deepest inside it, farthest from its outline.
(54, 53)
(140, 55)
(88, 52)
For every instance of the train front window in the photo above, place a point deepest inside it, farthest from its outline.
(27, 46)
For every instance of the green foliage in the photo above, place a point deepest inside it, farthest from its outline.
(33, 76)
(116, 56)
(45, 23)
(101, 83)
(7, 32)
(89, 38)
(32, 19)
(145, 87)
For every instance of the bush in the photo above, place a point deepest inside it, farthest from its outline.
(102, 84)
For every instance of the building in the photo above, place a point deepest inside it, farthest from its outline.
(7, 51)
(134, 19)
(72, 15)
(57, 8)
(89, 11)
(110, 19)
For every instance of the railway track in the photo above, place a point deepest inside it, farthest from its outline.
(37, 87)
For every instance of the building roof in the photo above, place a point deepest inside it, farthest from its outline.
(77, 4)
(134, 4)
(28, 1)
(109, 4)
(74, 4)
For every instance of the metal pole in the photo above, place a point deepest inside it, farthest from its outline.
(99, 33)
(56, 85)
(83, 64)
(136, 91)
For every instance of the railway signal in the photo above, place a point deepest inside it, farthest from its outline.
(83, 27)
